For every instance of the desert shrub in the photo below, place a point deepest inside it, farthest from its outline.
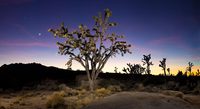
(68, 91)
(151, 88)
(179, 94)
(83, 84)
(171, 85)
(62, 93)
(173, 93)
(73, 92)
(17, 100)
(114, 88)
(102, 92)
(63, 87)
(71, 102)
(197, 89)
(1, 107)
(84, 102)
(139, 87)
(28, 94)
(48, 85)
(82, 93)
(75, 102)
(56, 100)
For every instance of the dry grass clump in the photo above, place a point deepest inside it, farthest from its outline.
(1, 106)
(68, 91)
(56, 100)
(18, 100)
(139, 87)
(71, 102)
(114, 88)
(102, 92)
(173, 93)
(84, 101)
(82, 93)
(29, 94)
(197, 89)
(78, 102)
(84, 97)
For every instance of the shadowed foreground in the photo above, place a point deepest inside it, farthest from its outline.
(143, 100)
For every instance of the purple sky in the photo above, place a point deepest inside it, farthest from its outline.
(165, 28)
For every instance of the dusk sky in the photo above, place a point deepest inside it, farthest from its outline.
(163, 28)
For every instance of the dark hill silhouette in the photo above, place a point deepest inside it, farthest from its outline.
(16, 76)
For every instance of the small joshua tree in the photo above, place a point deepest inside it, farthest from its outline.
(190, 65)
(134, 69)
(198, 72)
(146, 61)
(168, 70)
(126, 70)
(91, 47)
(163, 65)
(115, 70)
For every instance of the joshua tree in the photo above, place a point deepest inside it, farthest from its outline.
(189, 68)
(134, 69)
(168, 70)
(146, 61)
(91, 47)
(115, 70)
(126, 70)
(198, 72)
(163, 65)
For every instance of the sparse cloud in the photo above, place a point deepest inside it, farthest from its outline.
(166, 40)
(175, 40)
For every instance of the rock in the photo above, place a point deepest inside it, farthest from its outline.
(140, 100)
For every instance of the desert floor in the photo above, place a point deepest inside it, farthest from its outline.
(145, 100)
(119, 100)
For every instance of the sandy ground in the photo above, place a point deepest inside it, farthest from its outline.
(145, 100)
(121, 100)
(25, 100)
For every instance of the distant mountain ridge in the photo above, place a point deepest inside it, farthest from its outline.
(18, 74)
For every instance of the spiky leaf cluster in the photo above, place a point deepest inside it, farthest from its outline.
(163, 63)
(146, 60)
(190, 65)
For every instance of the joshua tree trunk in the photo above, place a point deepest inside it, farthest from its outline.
(92, 85)
(148, 69)
(164, 72)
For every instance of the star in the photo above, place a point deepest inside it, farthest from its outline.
(39, 34)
